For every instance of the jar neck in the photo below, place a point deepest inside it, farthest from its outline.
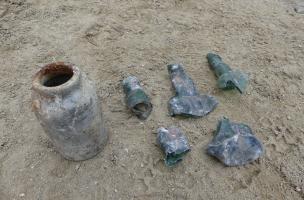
(56, 79)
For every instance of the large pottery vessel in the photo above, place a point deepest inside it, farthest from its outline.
(66, 104)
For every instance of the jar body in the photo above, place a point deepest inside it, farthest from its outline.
(72, 118)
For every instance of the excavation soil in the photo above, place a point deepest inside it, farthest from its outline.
(112, 39)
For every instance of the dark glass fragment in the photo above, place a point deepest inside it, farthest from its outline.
(234, 144)
(187, 100)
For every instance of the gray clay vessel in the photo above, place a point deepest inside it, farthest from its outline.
(65, 102)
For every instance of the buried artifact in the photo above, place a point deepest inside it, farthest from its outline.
(234, 144)
(66, 104)
(227, 78)
(187, 100)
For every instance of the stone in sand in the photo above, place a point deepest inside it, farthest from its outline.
(299, 8)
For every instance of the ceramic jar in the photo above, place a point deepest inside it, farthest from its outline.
(65, 102)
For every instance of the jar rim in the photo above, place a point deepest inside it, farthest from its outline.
(52, 70)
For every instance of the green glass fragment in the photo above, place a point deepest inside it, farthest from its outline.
(174, 144)
(227, 78)
(187, 102)
(137, 100)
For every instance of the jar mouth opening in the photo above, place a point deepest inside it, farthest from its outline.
(56, 76)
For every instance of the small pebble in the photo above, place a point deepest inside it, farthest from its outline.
(298, 189)
(21, 195)
(288, 117)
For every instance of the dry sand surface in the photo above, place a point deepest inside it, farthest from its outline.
(110, 39)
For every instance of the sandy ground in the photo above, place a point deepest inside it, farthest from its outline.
(111, 39)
